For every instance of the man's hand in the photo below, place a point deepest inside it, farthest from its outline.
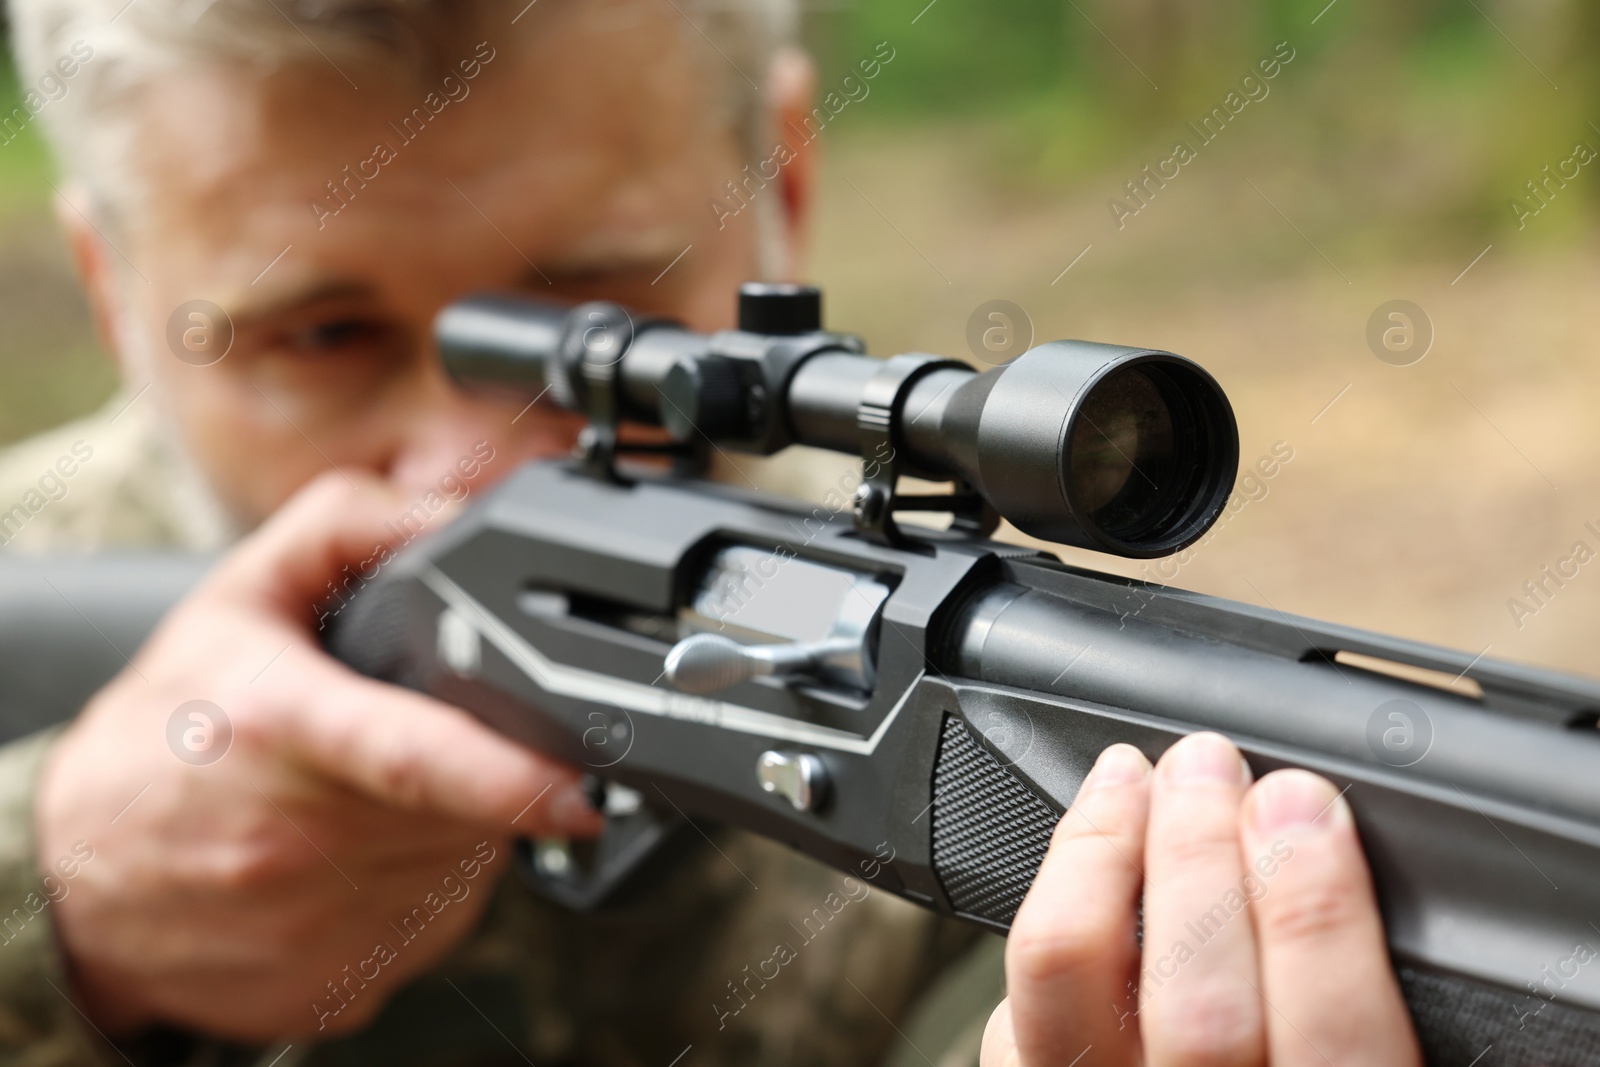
(1262, 942)
(240, 897)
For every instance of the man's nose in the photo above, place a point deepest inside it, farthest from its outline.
(449, 441)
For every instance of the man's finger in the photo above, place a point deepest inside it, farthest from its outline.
(1323, 957)
(337, 526)
(1198, 977)
(999, 1045)
(1072, 954)
(415, 753)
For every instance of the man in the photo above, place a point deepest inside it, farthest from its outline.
(268, 202)
(332, 175)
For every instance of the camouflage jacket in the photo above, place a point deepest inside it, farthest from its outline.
(745, 953)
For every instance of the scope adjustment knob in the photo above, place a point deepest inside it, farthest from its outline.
(702, 397)
(779, 308)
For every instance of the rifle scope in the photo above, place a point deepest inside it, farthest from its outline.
(1125, 450)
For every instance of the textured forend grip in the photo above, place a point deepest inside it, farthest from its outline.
(990, 833)
(368, 634)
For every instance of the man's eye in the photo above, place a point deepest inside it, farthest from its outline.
(344, 335)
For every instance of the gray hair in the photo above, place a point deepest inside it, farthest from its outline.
(133, 39)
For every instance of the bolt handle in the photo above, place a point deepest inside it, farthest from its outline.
(710, 663)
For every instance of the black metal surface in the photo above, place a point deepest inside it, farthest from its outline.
(1042, 667)
(1050, 440)
(1462, 1022)
(1000, 674)
(68, 624)
(1466, 846)
(779, 308)
(548, 609)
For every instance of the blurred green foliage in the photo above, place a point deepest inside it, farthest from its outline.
(50, 367)
(1427, 115)
(24, 160)
(1458, 97)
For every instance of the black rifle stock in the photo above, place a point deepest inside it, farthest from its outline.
(1000, 676)
(918, 707)
(69, 623)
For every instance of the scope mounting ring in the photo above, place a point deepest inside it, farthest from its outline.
(882, 404)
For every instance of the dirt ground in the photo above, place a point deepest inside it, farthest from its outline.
(1418, 503)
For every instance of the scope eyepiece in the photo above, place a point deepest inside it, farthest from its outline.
(1125, 450)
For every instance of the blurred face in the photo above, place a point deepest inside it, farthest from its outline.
(531, 168)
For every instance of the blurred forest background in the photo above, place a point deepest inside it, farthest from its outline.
(1382, 164)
